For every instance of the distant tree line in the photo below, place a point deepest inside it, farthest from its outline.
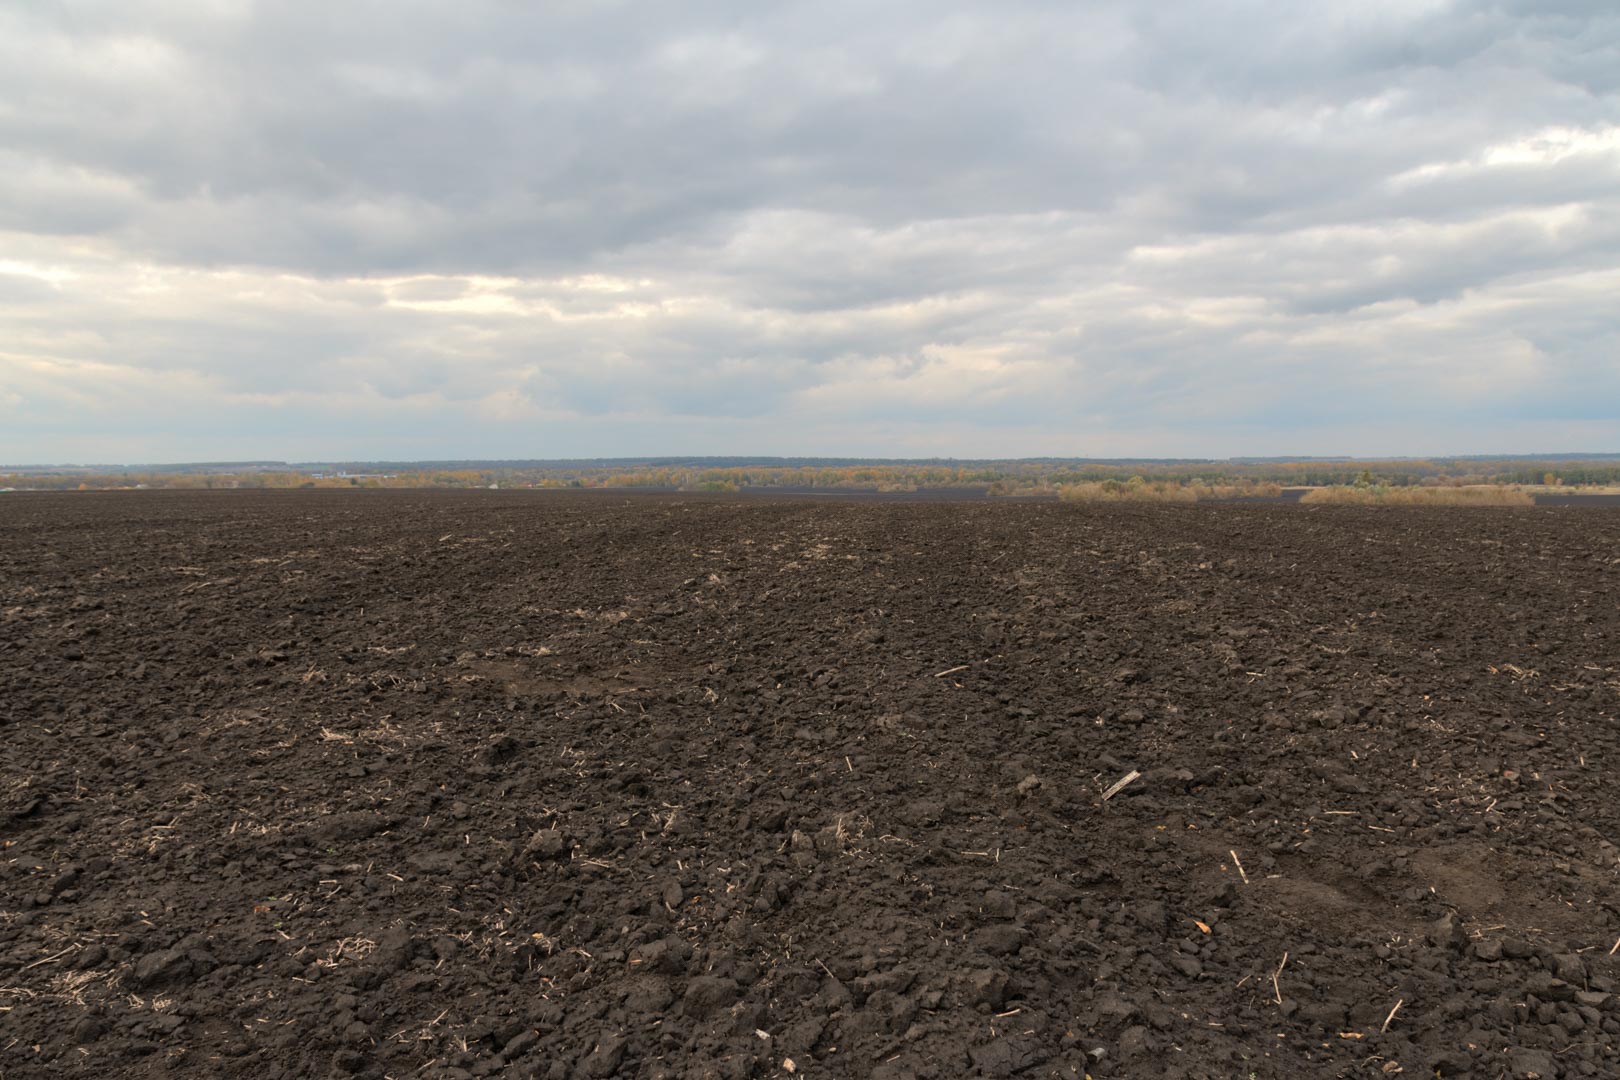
(1044, 476)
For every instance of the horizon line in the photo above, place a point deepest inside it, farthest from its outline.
(768, 460)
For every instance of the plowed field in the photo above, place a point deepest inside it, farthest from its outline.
(580, 785)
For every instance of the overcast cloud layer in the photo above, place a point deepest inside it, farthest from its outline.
(397, 230)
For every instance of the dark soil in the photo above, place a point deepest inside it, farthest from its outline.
(516, 784)
(1577, 499)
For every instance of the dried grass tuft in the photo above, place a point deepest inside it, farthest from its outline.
(1481, 495)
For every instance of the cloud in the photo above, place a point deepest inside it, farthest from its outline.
(375, 230)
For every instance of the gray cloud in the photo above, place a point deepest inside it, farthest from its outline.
(244, 229)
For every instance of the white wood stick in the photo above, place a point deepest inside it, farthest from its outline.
(1119, 785)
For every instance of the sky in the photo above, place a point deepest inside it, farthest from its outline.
(493, 229)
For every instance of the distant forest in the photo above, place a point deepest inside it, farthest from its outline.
(1012, 477)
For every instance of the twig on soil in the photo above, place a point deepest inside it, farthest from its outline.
(1275, 989)
(1616, 947)
(1239, 864)
(827, 969)
(48, 959)
(951, 671)
(1119, 785)
(1391, 1015)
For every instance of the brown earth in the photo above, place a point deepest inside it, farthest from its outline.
(398, 784)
